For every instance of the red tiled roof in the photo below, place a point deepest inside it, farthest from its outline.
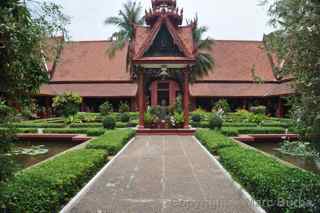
(91, 89)
(89, 61)
(284, 88)
(239, 89)
(235, 60)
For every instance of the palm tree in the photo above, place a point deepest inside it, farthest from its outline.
(130, 15)
(204, 60)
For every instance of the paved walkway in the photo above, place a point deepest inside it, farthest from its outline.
(162, 174)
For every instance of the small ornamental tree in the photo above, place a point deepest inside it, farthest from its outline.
(24, 34)
(106, 108)
(222, 104)
(67, 104)
(124, 107)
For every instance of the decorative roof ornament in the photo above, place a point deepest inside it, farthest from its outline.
(162, 8)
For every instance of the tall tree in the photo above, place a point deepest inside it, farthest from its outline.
(130, 15)
(24, 31)
(204, 60)
(297, 44)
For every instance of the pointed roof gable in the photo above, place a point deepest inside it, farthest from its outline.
(146, 36)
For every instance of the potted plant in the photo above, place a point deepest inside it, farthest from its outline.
(179, 119)
(148, 120)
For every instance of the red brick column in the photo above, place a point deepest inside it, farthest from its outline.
(279, 112)
(141, 99)
(186, 98)
(154, 93)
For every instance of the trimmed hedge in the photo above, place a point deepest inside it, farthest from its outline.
(87, 125)
(38, 125)
(122, 125)
(277, 187)
(95, 132)
(68, 130)
(261, 130)
(45, 188)
(112, 141)
(235, 124)
(213, 140)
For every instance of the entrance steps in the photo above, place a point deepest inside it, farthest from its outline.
(185, 132)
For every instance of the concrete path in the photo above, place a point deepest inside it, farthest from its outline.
(161, 174)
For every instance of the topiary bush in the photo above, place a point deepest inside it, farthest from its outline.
(124, 107)
(259, 109)
(106, 108)
(196, 118)
(67, 104)
(215, 121)
(109, 122)
(124, 117)
(222, 104)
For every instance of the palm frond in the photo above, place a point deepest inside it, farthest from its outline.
(204, 60)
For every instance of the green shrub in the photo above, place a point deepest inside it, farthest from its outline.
(215, 121)
(277, 187)
(95, 132)
(125, 117)
(261, 130)
(213, 140)
(222, 104)
(259, 110)
(86, 125)
(179, 119)
(230, 131)
(288, 189)
(112, 141)
(196, 118)
(87, 117)
(67, 104)
(26, 130)
(109, 122)
(65, 131)
(315, 136)
(45, 188)
(276, 124)
(236, 124)
(122, 125)
(133, 123)
(204, 124)
(38, 125)
(106, 108)
(195, 124)
(124, 107)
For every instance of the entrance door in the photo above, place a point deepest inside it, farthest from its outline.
(163, 93)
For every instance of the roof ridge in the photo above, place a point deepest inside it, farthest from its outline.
(234, 40)
(89, 41)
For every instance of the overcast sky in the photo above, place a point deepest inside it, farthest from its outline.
(226, 19)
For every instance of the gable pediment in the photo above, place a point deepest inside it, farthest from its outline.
(163, 45)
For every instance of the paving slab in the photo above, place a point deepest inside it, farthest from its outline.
(162, 174)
